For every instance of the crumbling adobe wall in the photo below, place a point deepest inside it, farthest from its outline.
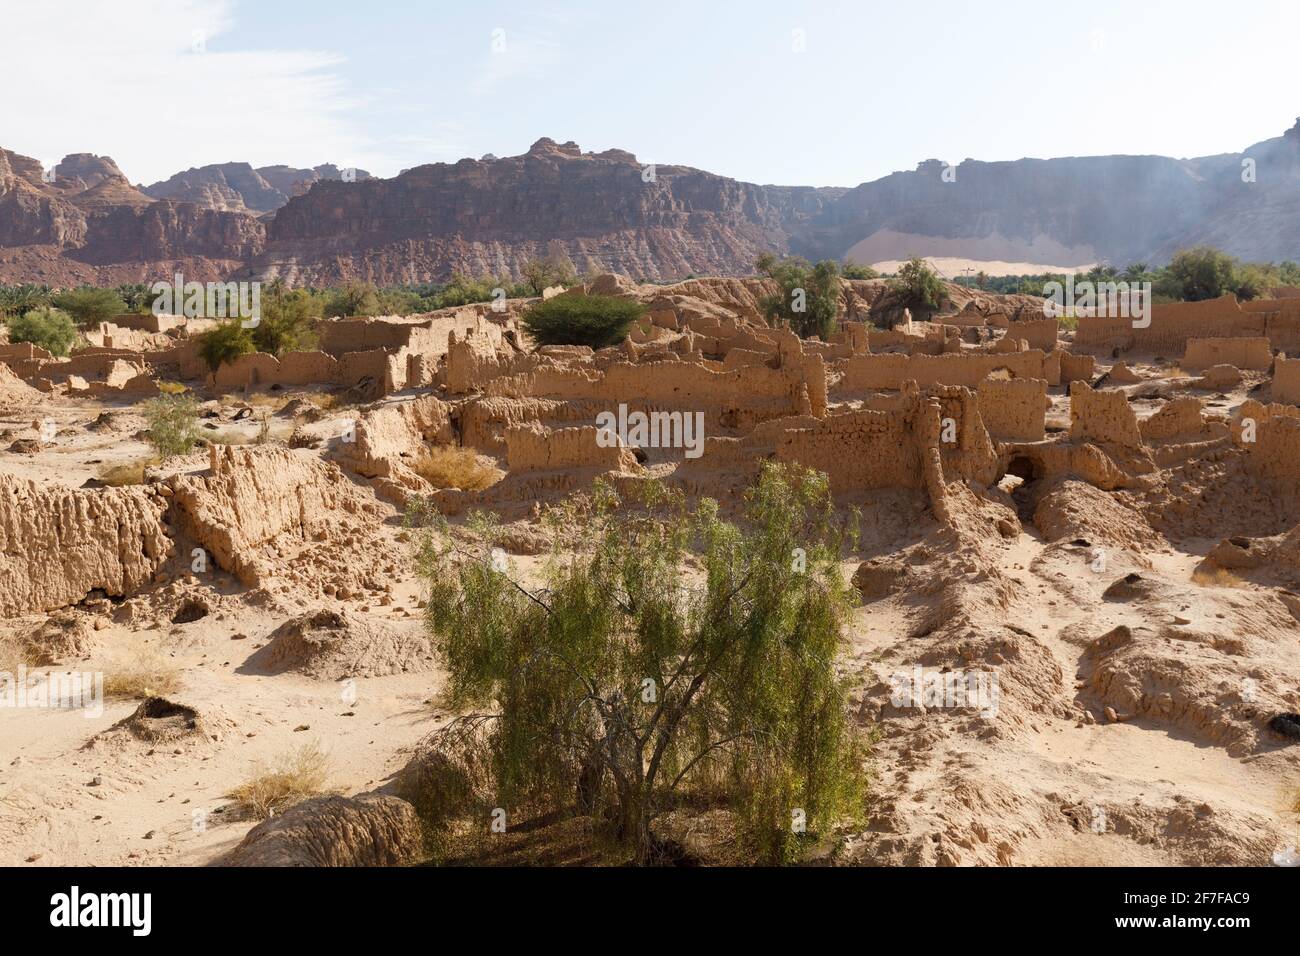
(857, 450)
(1039, 333)
(253, 497)
(1172, 324)
(1275, 453)
(1014, 409)
(1180, 420)
(1103, 417)
(874, 372)
(1251, 353)
(965, 447)
(736, 398)
(474, 360)
(535, 447)
(423, 334)
(484, 421)
(59, 544)
(1074, 368)
(1286, 380)
(383, 439)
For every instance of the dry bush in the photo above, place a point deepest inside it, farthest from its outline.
(127, 473)
(13, 654)
(290, 778)
(172, 388)
(450, 466)
(143, 672)
(1215, 576)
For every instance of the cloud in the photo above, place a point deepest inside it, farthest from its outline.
(149, 83)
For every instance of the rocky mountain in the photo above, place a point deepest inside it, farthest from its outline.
(84, 222)
(492, 215)
(238, 187)
(606, 209)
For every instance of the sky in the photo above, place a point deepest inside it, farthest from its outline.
(795, 92)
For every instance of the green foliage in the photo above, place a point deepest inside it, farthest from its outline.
(17, 299)
(49, 328)
(355, 298)
(595, 320)
(627, 689)
(173, 423)
(851, 270)
(918, 286)
(89, 306)
(554, 269)
(809, 297)
(1202, 273)
(289, 319)
(225, 343)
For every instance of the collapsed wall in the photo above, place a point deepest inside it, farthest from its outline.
(1014, 409)
(1250, 353)
(1173, 323)
(59, 544)
(253, 498)
(887, 372)
(1286, 380)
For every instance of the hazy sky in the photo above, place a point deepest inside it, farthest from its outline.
(876, 87)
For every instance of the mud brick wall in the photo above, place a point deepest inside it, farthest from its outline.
(1014, 409)
(1245, 353)
(1102, 417)
(868, 372)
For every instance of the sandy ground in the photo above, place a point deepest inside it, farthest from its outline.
(947, 788)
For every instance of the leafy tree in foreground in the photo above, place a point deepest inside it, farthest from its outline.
(918, 286)
(1202, 273)
(595, 320)
(809, 298)
(225, 343)
(625, 687)
(49, 328)
(173, 423)
(90, 306)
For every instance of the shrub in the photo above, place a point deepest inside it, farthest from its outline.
(280, 783)
(595, 320)
(49, 328)
(851, 270)
(173, 423)
(143, 672)
(621, 690)
(90, 306)
(356, 298)
(554, 269)
(918, 286)
(1201, 273)
(809, 299)
(289, 320)
(128, 473)
(450, 466)
(225, 343)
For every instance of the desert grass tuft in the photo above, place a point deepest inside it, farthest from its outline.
(290, 778)
(450, 466)
(144, 672)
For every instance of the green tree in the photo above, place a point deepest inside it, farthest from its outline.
(289, 321)
(355, 298)
(808, 300)
(917, 286)
(48, 328)
(851, 270)
(623, 691)
(225, 343)
(554, 269)
(90, 306)
(1200, 273)
(172, 423)
(594, 320)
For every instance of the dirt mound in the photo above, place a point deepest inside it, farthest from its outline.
(333, 645)
(14, 392)
(1072, 509)
(334, 831)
